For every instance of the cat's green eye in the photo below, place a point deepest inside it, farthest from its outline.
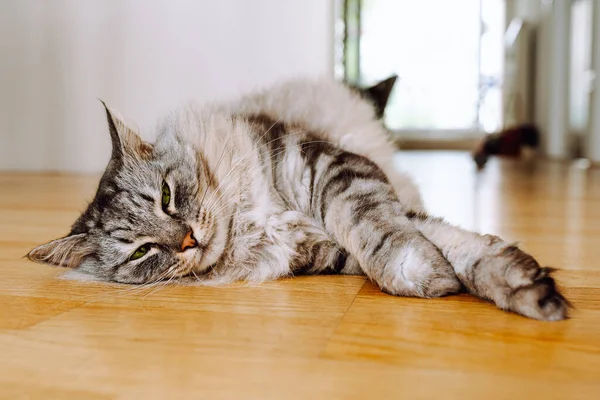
(166, 195)
(140, 252)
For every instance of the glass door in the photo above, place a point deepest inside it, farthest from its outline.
(448, 56)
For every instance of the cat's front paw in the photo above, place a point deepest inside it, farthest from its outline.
(417, 268)
(529, 289)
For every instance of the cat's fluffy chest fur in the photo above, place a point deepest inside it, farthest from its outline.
(253, 145)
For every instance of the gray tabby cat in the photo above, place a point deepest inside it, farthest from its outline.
(296, 179)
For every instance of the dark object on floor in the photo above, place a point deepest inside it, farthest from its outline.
(509, 142)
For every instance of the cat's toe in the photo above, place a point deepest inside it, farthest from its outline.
(540, 300)
(530, 290)
(443, 285)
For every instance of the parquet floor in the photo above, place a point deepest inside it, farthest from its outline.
(315, 337)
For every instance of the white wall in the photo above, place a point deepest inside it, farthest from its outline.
(143, 57)
(558, 62)
(593, 142)
(551, 19)
(529, 10)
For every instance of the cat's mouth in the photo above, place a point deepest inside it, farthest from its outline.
(196, 260)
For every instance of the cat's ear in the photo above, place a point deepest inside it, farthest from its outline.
(64, 252)
(379, 94)
(125, 140)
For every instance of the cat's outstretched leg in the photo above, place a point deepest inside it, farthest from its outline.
(286, 243)
(353, 200)
(493, 269)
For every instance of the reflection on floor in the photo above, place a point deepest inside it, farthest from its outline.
(318, 337)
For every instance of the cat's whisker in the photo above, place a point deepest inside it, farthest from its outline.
(247, 153)
(233, 186)
(250, 170)
(221, 158)
(128, 290)
(196, 276)
(159, 287)
(278, 152)
(161, 282)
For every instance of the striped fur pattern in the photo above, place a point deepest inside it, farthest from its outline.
(295, 179)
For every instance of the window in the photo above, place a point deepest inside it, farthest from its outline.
(448, 56)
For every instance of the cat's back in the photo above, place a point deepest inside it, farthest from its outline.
(325, 107)
(331, 111)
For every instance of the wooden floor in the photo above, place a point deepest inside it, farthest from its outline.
(308, 338)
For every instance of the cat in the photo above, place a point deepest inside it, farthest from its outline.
(294, 179)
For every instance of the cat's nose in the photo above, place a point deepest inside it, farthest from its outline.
(189, 241)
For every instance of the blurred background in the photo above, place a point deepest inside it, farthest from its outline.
(466, 68)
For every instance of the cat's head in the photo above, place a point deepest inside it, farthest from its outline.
(146, 221)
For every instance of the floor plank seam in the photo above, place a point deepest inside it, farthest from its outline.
(337, 326)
